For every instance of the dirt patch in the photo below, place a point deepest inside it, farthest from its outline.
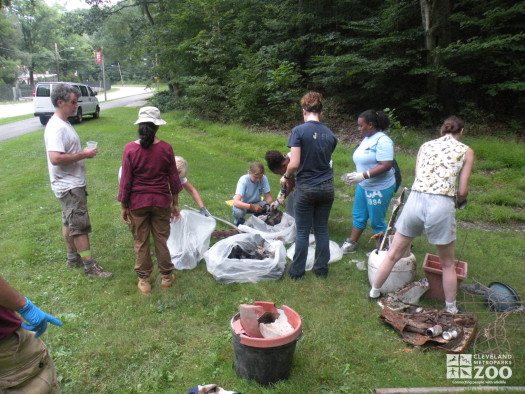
(491, 227)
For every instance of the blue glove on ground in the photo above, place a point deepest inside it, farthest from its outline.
(37, 318)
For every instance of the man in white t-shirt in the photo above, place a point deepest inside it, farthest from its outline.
(67, 173)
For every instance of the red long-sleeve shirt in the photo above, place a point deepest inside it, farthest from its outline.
(149, 176)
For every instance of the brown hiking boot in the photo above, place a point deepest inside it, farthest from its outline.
(145, 286)
(93, 269)
(77, 263)
(167, 280)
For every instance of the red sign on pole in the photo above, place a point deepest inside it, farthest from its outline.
(98, 57)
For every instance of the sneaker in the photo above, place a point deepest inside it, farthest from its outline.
(93, 269)
(77, 263)
(374, 295)
(238, 222)
(167, 280)
(349, 246)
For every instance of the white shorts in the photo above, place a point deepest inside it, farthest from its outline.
(433, 213)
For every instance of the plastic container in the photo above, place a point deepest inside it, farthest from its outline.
(403, 273)
(434, 274)
(265, 360)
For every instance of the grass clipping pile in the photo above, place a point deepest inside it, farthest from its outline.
(414, 323)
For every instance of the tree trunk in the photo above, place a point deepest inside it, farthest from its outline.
(435, 16)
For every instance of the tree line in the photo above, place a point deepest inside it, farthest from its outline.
(251, 60)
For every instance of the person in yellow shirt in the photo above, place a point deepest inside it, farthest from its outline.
(441, 164)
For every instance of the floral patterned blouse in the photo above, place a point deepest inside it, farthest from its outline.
(438, 165)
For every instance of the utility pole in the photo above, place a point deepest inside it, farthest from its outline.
(56, 62)
(103, 74)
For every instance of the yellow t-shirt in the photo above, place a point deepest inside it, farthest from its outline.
(439, 163)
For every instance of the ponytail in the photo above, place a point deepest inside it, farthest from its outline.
(147, 133)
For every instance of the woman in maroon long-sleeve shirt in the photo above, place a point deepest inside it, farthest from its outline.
(148, 193)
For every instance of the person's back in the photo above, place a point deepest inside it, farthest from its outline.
(439, 163)
(317, 143)
(148, 193)
(151, 170)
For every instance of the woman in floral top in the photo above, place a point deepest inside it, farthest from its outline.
(443, 170)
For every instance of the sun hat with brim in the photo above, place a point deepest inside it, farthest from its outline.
(150, 115)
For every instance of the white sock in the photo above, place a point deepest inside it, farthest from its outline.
(374, 293)
(451, 307)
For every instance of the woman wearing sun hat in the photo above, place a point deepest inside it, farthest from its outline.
(148, 192)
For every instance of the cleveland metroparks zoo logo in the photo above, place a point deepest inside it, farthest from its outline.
(479, 367)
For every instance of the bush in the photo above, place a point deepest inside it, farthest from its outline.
(165, 101)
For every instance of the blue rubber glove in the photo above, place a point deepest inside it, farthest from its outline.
(37, 318)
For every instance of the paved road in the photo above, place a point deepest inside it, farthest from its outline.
(124, 97)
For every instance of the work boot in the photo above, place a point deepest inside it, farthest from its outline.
(348, 246)
(167, 280)
(93, 269)
(145, 285)
(76, 263)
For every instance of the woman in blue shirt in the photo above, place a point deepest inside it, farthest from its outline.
(311, 144)
(374, 176)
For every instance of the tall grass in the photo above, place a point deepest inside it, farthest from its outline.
(116, 341)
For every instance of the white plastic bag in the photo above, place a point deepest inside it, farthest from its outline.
(189, 239)
(335, 252)
(238, 270)
(284, 231)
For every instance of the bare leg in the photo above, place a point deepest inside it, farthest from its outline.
(448, 264)
(356, 234)
(77, 243)
(397, 251)
(70, 244)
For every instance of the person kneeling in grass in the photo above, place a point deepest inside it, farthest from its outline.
(250, 188)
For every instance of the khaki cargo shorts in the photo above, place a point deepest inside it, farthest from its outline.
(25, 365)
(74, 211)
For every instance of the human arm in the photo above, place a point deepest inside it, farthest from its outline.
(196, 197)
(124, 213)
(352, 178)
(268, 198)
(62, 158)
(193, 193)
(288, 179)
(237, 202)
(124, 194)
(295, 161)
(9, 297)
(175, 211)
(464, 176)
(37, 319)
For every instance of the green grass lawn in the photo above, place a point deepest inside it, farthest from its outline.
(116, 341)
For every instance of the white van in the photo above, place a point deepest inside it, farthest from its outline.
(43, 108)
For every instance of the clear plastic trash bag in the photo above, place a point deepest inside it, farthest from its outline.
(284, 231)
(189, 239)
(226, 269)
(335, 252)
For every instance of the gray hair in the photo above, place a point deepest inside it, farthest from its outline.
(62, 92)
